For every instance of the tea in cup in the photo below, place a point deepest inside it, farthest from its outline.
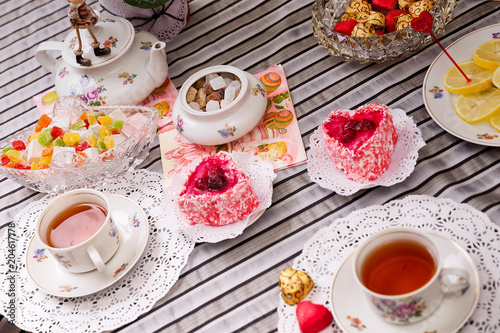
(77, 228)
(400, 271)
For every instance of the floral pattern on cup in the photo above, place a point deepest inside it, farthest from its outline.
(60, 259)
(401, 312)
(93, 91)
(437, 92)
(72, 43)
(128, 78)
(146, 46)
(122, 267)
(258, 89)
(495, 35)
(227, 131)
(355, 322)
(40, 255)
(110, 42)
(135, 221)
(486, 136)
(67, 288)
(180, 124)
(106, 19)
(62, 73)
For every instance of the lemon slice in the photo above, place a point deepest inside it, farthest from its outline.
(488, 54)
(495, 122)
(480, 77)
(495, 79)
(478, 106)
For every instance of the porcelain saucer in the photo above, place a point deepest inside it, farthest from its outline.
(50, 275)
(353, 314)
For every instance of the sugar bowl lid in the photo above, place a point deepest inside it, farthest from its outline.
(114, 32)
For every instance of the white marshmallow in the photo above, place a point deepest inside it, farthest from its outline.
(61, 122)
(224, 103)
(59, 158)
(91, 152)
(34, 151)
(195, 106)
(229, 94)
(210, 76)
(235, 84)
(118, 115)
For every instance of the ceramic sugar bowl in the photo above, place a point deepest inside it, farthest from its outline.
(135, 66)
(219, 104)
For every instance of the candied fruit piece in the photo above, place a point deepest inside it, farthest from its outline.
(14, 156)
(56, 132)
(85, 145)
(9, 165)
(6, 149)
(45, 138)
(59, 142)
(101, 146)
(90, 118)
(108, 141)
(34, 136)
(71, 138)
(46, 160)
(78, 124)
(117, 124)
(38, 166)
(5, 159)
(18, 145)
(104, 132)
(91, 140)
(105, 121)
(21, 166)
(48, 152)
(43, 122)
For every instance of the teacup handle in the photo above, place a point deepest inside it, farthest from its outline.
(96, 258)
(454, 281)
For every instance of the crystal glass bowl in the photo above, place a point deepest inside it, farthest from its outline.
(93, 172)
(390, 46)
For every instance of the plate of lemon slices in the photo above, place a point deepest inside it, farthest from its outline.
(469, 110)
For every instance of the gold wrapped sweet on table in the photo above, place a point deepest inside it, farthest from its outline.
(374, 18)
(349, 16)
(294, 285)
(402, 21)
(405, 4)
(358, 6)
(363, 30)
(419, 6)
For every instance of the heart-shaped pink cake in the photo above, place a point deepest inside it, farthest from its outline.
(360, 143)
(217, 193)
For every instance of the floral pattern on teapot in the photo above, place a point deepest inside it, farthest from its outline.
(93, 91)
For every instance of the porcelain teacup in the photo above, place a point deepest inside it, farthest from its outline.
(90, 252)
(401, 273)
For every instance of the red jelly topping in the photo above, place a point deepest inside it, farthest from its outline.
(211, 175)
(353, 131)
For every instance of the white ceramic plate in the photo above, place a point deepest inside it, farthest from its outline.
(439, 102)
(353, 313)
(50, 276)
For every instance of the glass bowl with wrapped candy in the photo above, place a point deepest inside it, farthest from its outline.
(376, 30)
(78, 146)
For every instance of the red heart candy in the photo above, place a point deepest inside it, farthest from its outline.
(422, 23)
(312, 317)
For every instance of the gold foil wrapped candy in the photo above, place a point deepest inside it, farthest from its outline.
(363, 30)
(405, 4)
(357, 6)
(374, 18)
(419, 6)
(294, 285)
(349, 16)
(402, 21)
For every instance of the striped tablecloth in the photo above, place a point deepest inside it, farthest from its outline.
(233, 285)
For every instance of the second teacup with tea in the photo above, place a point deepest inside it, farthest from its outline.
(401, 273)
(77, 229)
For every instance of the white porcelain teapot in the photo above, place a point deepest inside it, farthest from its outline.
(136, 65)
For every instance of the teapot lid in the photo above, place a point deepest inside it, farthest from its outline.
(114, 32)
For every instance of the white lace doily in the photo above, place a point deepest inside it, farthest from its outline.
(322, 170)
(165, 22)
(138, 290)
(261, 176)
(324, 253)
